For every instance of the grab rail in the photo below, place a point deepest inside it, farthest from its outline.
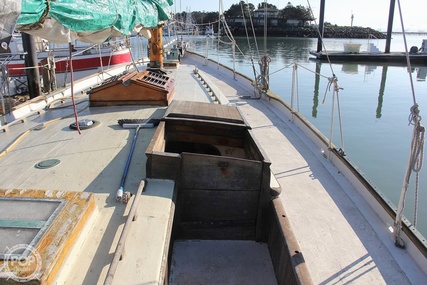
(121, 244)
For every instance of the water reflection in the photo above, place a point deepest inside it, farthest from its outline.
(421, 73)
(353, 69)
(375, 105)
(350, 68)
(381, 92)
(277, 48)
(316, 90)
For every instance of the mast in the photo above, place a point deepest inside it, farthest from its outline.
(390, 26)
(156, 48)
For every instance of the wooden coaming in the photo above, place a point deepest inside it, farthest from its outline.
(57, 242)
(288, 260)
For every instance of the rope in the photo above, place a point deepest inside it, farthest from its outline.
(70, 47)
(287, 66)
(233, 42)
(320, 36)
(263, 79)
(220, 11)
(100, 58)
(336, 89)
(314, 72)
(294, 83)
(408, 62)
(415, 163)
(249, 44)
(416, 153)
(132, 58)
(22, 135)
(333, 82)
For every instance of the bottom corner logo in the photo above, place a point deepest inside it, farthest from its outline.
(21, 267)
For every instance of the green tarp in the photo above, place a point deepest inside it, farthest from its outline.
(86, 17)
(91, 15)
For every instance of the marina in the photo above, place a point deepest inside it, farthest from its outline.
(352, 52)
(198, 169)
(53, 61)
(368, 57)
(375, 102)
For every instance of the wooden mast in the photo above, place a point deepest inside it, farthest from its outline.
(156, 48)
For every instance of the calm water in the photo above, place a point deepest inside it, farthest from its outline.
(375, 103)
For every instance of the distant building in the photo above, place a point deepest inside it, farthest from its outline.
(272, 17)
(237, 22)
(295, 23)
(273, 20)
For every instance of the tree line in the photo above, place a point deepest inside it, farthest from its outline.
(246, 9)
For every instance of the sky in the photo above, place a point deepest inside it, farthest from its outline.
(366, 13)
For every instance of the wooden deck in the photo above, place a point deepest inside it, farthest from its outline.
(342, 240)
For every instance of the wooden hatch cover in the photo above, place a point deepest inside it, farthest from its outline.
(134, 88)
(205, 112)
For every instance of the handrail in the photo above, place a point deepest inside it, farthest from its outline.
(121, 244)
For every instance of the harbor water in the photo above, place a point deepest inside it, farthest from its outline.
(375, 102)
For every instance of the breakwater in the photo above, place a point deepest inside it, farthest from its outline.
(311, 32)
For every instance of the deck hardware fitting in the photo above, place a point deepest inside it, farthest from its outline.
(48, 163)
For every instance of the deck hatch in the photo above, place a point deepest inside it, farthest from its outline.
(206, 112)
(154, 78)
(134, 88)
(24, 221)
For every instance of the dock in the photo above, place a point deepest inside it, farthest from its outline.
(366, 57)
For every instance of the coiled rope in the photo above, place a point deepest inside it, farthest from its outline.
(417, 153)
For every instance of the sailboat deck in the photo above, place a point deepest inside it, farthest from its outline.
(341, 238)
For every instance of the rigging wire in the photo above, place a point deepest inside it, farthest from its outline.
(249, 44)
(220, 11)
(233, 42)
(320, 36)
(100, 58)
(70, 47)
(253, 32)
(416, 153)
(333, 81)
(265, 59)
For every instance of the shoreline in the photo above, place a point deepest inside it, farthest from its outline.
(311, 32)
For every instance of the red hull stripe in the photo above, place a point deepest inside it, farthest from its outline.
(16, 69)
